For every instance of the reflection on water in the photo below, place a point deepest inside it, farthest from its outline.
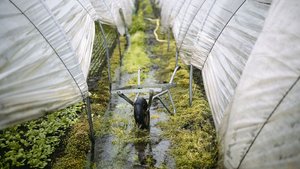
(144, 149)
(127, 147)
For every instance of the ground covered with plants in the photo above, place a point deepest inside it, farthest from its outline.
(191, 129)
(31, 144)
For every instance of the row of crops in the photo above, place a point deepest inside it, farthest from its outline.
(37, 143)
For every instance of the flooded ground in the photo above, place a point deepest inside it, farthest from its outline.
(186, 139)
(125, 146)
(128, 147)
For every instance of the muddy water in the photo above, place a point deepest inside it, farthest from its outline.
(126, 146)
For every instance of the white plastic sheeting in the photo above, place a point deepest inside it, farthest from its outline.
(228, 44)
(42, 67)
(46, 48)
(78, 24)
(167, 11)
(109, 12)
(262, 127)
(217, 37)
(260, 96)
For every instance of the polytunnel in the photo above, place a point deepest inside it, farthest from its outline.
(47, 53)
(247, 52)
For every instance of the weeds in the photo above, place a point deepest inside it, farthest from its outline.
(77, 147)
(78, 142)
(136, 58)
(191, 129)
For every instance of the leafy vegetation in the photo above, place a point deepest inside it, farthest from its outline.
(31, 144)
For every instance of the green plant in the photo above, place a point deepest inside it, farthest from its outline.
(191, 129)
(146, 8)
(77, 146)
(138, 23)
(136, 58)
(31, 144)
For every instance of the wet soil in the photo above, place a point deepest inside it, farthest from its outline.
(125, 146)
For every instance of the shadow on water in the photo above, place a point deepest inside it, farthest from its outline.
(144, 150)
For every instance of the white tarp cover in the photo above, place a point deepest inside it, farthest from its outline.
(262, 121)
(78, 25)
(109, 12)
(226, 45)
(45, 56)
(46, 48)
(262, 126)
(216, 36)
(166, 8)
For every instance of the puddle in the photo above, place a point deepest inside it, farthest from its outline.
(127, 147)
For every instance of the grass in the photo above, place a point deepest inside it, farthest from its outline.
(77, 146)
(191, 129)
(99, 105)
(136, 58)
(138, 23)
(146, 8)
(134, 79)
(115, 58)
(114, 124)
(78, 142)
